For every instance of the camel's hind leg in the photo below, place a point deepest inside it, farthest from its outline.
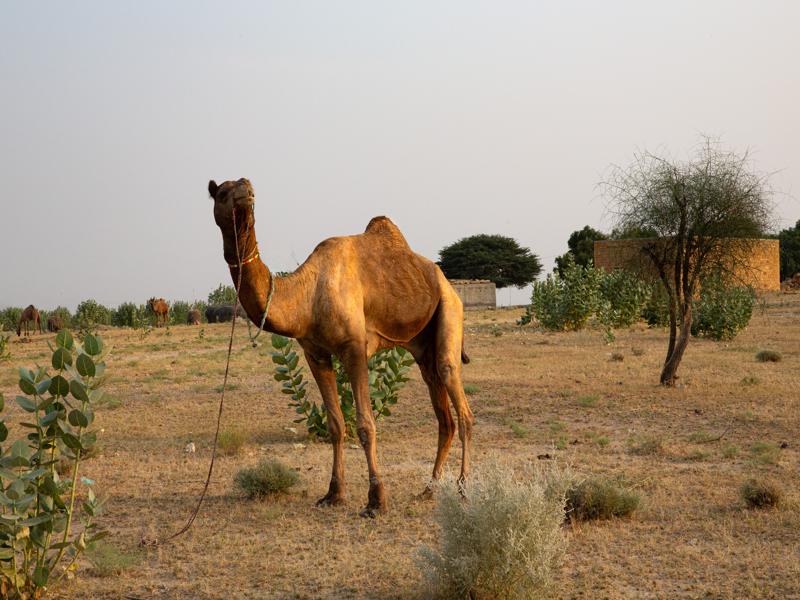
(439, 399)
(449, 345)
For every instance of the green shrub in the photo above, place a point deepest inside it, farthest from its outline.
(268, 477)
(41, 527)
(656, 309)
(760, 493)
(179, 312)
(4, 353)
(722, 310)
(769, 356)
(224, 294)
(387, 375)
(9, 318)
(90, 314)
(567, 302)
(502, 539)
(624, 296)
(129, 314)
(600, 499)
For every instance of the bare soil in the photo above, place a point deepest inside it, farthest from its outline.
(686, 450)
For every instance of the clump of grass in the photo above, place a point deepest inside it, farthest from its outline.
(646, 446)
(519, 429)
(730, 451)
(503, 539)
(470, 389)
(617, 357)
(637, 351)
(701, 437)
(600, 499)
(561, 442)
(600, 440)
(230, 442)
(268, 477)
(698, 455)
(588, 401)
(108, 560)
(769, 356)
(760, 493)
(229, 387)
(557, 426)
(765, 453)
(750, 380)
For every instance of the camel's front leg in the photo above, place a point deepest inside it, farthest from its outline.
(322, 370)
(355, 363)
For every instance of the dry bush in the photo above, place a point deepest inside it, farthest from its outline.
(502, 539)
(600, 499)
(760, 493)
(646, 446)
(268, 477)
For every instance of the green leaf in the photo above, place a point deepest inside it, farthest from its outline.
(278, 359)
(3, 431)
(26, 374)
(71, 442)
(40, 576)
(78, 419)
(62, 358)
(85, 365)
(6, 553)
(37, 520)
(78, 391)
(59, 386)
(64, 339)
(27, 387)
(43, 386)
(92, 345)
(26, 403)
(279, 341)
(18, 456)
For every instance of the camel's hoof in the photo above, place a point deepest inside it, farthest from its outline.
(370, 512)
(330, 500)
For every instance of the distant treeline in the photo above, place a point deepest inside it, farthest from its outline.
(127, 314)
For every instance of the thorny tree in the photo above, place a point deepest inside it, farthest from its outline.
(707, 214)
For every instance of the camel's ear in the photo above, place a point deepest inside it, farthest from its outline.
(212, 188)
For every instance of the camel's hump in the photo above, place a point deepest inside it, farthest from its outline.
(384, 227)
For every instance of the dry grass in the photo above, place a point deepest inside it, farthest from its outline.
(690, 539)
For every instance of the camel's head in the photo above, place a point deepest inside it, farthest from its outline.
(232, 196)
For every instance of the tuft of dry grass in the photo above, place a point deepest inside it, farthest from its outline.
(108, 560)
(230, 442)
(267, 478)
(646, 446)
(761, 493)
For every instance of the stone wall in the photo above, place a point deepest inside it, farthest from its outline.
(762, 270)
(475, 293)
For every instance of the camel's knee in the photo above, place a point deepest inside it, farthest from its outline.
(366, 433)
(449, 372)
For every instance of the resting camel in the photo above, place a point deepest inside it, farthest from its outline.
(54, 324)
(29, 314)
(160, 307)
(193, 317)
(353, 296)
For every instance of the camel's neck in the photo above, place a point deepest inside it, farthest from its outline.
(290, 302)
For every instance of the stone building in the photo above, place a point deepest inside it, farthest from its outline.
(762, 270)
(475, 293)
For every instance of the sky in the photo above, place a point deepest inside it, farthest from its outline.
(453, 118)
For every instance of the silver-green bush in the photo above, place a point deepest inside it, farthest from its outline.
(502, 539)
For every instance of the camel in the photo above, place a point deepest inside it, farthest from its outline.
(54, 324)
(353, 296)
(160, 307)
(29, 314)
(223, 313)
(193, 317)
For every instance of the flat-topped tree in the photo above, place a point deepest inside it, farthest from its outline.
(355, 295)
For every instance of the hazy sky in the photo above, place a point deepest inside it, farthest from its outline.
(452, 118)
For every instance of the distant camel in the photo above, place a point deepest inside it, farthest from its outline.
(193, 318)
(54, 324)
(353, 296)
(29, 314)
(160, 307)
(223, 313)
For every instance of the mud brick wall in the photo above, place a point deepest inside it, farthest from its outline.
(762, 270)
(475, 293)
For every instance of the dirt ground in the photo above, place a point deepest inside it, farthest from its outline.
(532, 392)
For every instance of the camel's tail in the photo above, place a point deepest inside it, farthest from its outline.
(464, 357)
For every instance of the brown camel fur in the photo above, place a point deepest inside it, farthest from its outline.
(54, 324)
(29, 314)
(193, 317)
(160, 307)
(353, 296)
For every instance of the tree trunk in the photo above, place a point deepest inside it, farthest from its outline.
(668, 374)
